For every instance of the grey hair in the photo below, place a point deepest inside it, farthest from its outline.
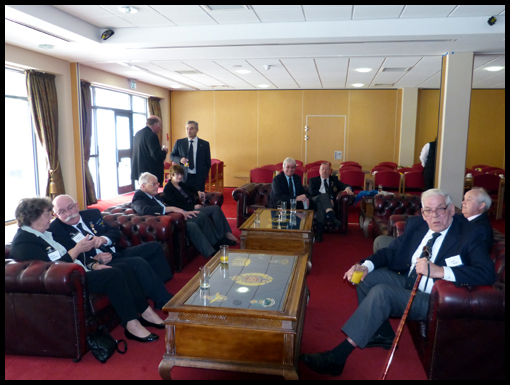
(483, 197)
(288, 160)
(435, 191)
(193, 122)
(144, 177)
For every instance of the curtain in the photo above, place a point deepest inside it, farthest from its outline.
(42, 99)
(155, 109)
(86, 123)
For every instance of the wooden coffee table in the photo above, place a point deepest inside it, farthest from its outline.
(293, 234)
(250, 319)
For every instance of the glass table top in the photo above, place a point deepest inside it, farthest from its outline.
(270, 219)
(249, 281)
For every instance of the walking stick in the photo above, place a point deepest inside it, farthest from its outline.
(426, 254)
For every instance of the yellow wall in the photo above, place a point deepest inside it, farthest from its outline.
(248, 129)
(486, 138)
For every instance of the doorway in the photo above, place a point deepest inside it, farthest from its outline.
(326, 137)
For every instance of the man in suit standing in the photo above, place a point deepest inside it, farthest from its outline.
(286, 186)
(148, 155)
(323, 190)
(457, 254)
(195, 155)
(147, 260)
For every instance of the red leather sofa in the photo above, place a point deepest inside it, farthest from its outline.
(252, 196)
(392, 204)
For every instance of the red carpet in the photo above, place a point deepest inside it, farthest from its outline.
(332, 301)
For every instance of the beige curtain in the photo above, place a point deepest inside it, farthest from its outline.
(86, 120)
(155, 109)
(42, 99)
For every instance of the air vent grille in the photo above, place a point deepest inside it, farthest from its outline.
(191, 72)
(396, 69)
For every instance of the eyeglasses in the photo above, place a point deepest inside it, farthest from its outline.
(64, 211)
(152, 184)
(439, 211)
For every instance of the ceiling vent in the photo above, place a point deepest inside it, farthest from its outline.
(230, 7)
(190, 72)
(396, 69)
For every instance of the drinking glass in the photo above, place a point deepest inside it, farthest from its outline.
(293, 206)
(279, 208)
(224, 254)
(357, 274)
(380, 188)
(205, 272)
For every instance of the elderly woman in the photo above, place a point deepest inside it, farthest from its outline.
(178, 194)
(33, 241)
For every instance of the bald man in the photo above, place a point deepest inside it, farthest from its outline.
(148, 155)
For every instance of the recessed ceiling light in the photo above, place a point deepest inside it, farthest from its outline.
(128, 9)
(494, 69)
(244, 72)
(357, 85)
(263, 85)
(46, 46)
(363, 69)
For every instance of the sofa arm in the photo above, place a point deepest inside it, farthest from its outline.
(448, 301)
(245, 196)
(341, 208)
(213, 198)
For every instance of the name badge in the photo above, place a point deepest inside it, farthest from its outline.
(53, 256)
(78, 237)
(454, 261)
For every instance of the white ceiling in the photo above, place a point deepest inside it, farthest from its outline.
(306, 46)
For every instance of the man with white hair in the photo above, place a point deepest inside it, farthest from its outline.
(147, 260)
(287, 185)
(438, 245)
(475, 206)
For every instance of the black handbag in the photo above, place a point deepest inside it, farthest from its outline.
(103, 345)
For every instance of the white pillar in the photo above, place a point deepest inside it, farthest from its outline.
(408, 126)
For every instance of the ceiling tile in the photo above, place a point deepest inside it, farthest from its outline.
(477, 10)
(324, 13)
(281, 15)
(377, 11)
(420, 11)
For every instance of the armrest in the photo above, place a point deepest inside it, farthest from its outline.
(213, 198)
(448, 301)
(245, 196)
(39, 277)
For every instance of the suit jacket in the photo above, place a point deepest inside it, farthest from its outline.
(334, 186)
(173, 197)
(63, 233)
(144, 205)
(203, 163)
(463, 239)
(27, 246)
(484, 222)
(147, 155)
(280, 189)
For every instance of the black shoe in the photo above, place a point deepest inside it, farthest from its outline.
(144, 322)
(323, 363)
(318, 237)
(149, 338)
(380, 342)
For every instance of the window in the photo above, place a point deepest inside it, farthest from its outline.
(25, 160)
(116, 118)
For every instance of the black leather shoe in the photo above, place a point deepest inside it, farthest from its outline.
(323, 363)
(149, 338)
(318, 237)
(380, 342)
(144, 322)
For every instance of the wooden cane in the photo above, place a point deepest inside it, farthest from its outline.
(403, 320)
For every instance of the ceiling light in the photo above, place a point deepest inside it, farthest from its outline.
(363, 69)
(263, 86)
(46, 46)
(494, 69)
(128, 9)
(244, 72)
(357, 85)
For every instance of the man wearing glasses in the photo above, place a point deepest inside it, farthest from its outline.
(457, 254)
(147, 260)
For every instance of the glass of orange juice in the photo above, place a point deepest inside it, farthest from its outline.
(357, 274)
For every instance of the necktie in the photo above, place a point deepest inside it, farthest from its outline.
(191, 158)
(83, 231)
(326, 186)
(291, 187)
(426, 250)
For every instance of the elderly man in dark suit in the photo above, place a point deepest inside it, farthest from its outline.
(147, 260)
(195, 155)
(457, 254)
(475, 206)
(148, 155)
(323, 190)
(286, 186)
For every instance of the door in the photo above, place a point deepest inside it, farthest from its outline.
(326, 135)
(124, 143)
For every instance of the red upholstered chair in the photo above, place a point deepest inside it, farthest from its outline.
(299, 163)
(381, 168)
(348, 163)
(494, 170)
(481, 167)
(390, 180)
(312, 173)
(473, 171)
(354, 178)
(349, 168)
(413, 183)
(272, 167)
(344, 166)
(261, 175)
(418, 166)
(215, 178)
(403, 170)
(392, 165)
(166, 173)
(279, 166)
(316, 163)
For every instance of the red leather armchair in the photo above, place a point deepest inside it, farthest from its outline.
(252, 196)
(391, 204)
(48, 310)
(463, 337)
(137, 229)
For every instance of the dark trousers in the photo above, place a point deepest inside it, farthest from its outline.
(382, 295)
(120, 285)
(153, 253)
